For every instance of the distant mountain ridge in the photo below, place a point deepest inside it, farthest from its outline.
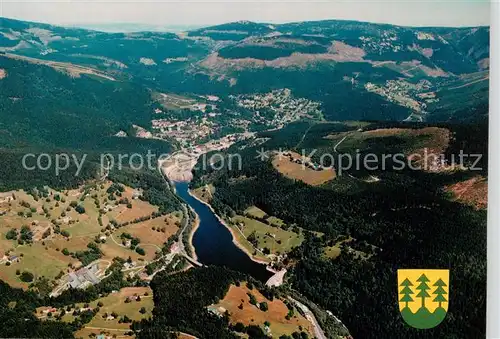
(430, 46)
(134, 27)
(357, 70)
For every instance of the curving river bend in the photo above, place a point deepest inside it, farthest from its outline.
(213, 242)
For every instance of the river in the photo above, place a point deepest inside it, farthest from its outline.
(213, 242)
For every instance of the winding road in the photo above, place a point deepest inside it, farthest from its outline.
(318, 332)
(185, 221)
(338, 143)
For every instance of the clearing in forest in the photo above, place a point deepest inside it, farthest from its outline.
(266, 237)
(292, 165)
(283, 320)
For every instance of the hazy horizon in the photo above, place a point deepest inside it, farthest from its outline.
(200, 13)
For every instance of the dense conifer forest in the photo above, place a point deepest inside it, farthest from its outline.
(363, 76)
(407, 217)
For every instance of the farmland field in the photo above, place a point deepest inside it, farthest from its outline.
(250, 314)
(173, 101)
(290, 169)
(154, 231)
(332, 252)
(255, 212)
(42, 231)
(473, 191)
(37, 260)
(121, 303)
(276, 239)
(204, 193)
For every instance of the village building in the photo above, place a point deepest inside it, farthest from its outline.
(84, 277)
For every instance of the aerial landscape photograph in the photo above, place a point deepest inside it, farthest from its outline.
(238, 169)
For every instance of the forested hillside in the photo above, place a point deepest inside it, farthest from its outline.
(386, 72)
(421, 228)
(14, 176)
(45, 108)
(192, 310)
(269, 93)
(181, 300)
(16, 315)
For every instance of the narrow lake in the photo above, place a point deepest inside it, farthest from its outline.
(213, 242)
